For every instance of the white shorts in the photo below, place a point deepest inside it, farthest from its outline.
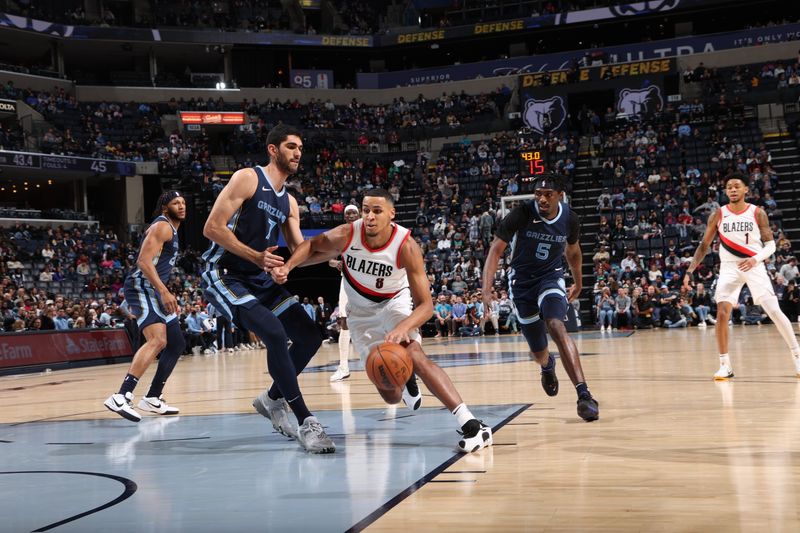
(369, 324)
(731, 280)
(342, 300)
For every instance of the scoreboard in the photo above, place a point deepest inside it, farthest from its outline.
(532, 164)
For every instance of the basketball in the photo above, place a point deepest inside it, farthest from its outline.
(389, 366)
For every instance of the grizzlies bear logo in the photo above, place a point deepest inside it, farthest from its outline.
(640, 101)
(642, 8)
(544, 116)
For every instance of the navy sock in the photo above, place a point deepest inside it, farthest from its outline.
(168, 358)
(582, 389)
(298, 407)
(128, 384)
(551, 364)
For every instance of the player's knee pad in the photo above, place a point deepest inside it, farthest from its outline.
(536, 335)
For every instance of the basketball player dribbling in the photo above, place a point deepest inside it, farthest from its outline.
(351, 214)
(385, 279)
(156, 311)
(745, 242)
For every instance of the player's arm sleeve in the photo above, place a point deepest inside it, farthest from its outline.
(513, 222)
(574, 230)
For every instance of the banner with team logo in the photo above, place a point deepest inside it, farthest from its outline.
(639, 101)
(637, 88)
(53, 347)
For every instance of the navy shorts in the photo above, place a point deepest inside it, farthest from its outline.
(144, 303)
(537, 302)
(229, 292)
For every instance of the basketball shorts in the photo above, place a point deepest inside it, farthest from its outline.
(369, 324)
(145, 303)
(537, 302)
(731, 280)
(342, 300)
(229, 292)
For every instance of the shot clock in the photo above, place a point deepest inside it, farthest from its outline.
(532, 164)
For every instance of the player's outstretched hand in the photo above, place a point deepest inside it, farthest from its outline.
(279, 274)
(574, 292)
(269, 260)
(398, 335)
(687, 280)
(747, 264)
(169, 302)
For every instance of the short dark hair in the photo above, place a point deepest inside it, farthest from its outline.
(550, 181)
(279, 133)
(380, 193)
(738, 176)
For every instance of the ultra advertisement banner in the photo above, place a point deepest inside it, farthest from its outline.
(681, 46)
(26, 349)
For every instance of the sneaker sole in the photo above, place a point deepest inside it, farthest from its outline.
(321, 450)
(484, 444)
(123, 414)
(155, 411)
(339, 379)
(724, 378)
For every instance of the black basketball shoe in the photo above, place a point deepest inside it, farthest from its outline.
(412, 397)
(588, 408)
(549, 378)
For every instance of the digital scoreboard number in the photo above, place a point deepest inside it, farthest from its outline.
(532, 164)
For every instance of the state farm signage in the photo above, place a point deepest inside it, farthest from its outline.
(192, 117)
(24, 349)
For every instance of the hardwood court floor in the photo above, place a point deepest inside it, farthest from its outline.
(673, 450)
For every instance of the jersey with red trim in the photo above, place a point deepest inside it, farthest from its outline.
(373, 275)
(739, 236)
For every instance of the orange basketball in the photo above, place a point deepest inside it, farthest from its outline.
(389, 366)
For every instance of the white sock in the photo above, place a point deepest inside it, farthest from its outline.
(773, 310)
(725, 360)
(462, 414)
(344, 348)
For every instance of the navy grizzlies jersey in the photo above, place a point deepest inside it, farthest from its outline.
(256, 223)
(538, 244)
(166, 257)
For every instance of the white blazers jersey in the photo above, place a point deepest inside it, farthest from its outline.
(739, 236)
(373, 275)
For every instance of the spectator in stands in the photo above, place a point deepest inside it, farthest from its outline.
(443, 312)
(702, 305)
(751, 313)
(622, 308)
(790, 303)
(789, 271)
(673, 314)
(605, 310)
